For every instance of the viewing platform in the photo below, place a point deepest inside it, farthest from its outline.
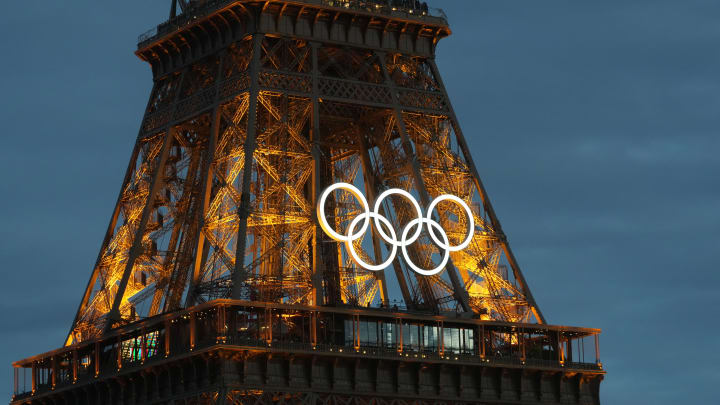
(387, 8)
(380, 24)
(356, 336)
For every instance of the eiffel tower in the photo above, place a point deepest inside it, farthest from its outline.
(217, 283)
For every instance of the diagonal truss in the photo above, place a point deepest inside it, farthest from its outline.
(219, 197)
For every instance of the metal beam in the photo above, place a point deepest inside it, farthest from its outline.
(458, 287)
(108, 235)
(206, 188)
(205, 196)
(239, 274)
(486, 199)
(317, 265)
(113, 218)
(136, 249)
(372, 188)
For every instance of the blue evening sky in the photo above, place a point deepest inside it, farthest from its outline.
(593, 124)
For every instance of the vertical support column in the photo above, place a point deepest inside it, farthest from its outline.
(75, 365)
(53, 372)
(460, 293)
(113, 221)
(106, 240)
(205, 193)
(441, 338)
(97, 359)
(399, 326)
(33, 378)
(597, 350)
(119, 353)
(268, 326)
(221, 324)
(379, 275)
(356, 331)
(136, 249)
(313, 329)
(317, 269)
(205, 196)
(239, 274)
(173, 9)
(371, 189)
(16, 371)
(143, 346)
(521, 342)
(560, 349)
(485, 199)
(482, 342)
(192, 330)
(168, 325)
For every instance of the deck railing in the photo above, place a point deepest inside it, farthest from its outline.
(262, 327)
(384, 7)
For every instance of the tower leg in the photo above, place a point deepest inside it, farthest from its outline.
(460, 292)
(239, 274)
(485, 199)
(136, 249)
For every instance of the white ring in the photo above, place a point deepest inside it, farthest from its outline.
(415, 204)
(351, 247)
(379, 221)
(410, 263)
(471, 220)
(323, 220)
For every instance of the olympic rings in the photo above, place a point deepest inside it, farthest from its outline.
(380, 222)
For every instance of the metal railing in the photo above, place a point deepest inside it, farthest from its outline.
(391, 8)
(257, 326)
(388, 7)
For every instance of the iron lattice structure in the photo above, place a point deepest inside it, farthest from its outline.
(241, 141)
(257, 106)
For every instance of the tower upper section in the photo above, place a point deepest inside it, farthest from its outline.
(198, 28)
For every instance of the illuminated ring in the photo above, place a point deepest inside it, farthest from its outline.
(323, 220)
(378, 218)
(393, 241)
(446, 256)
(471, 220)
(379, 221)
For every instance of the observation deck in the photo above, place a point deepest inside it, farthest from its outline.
(379, 8)
(380, 25)
(324, 342)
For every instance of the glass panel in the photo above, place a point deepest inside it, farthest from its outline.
(389, 334)
(151, 343)
(368, 334)
(451, 338)
(349, 333)
(469, 341)
(131, 349)
(430, 338)
(411, 337)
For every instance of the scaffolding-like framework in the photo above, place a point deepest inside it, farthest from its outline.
(258, 106)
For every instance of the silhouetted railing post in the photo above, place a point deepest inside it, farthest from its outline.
(192, 331)
(33, 378)
(597, 349)
(119, 353)
(167, 337)
(97, 358)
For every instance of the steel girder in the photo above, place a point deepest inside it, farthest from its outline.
(234, 149)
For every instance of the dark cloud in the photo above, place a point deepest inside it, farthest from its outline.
(594, 126)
